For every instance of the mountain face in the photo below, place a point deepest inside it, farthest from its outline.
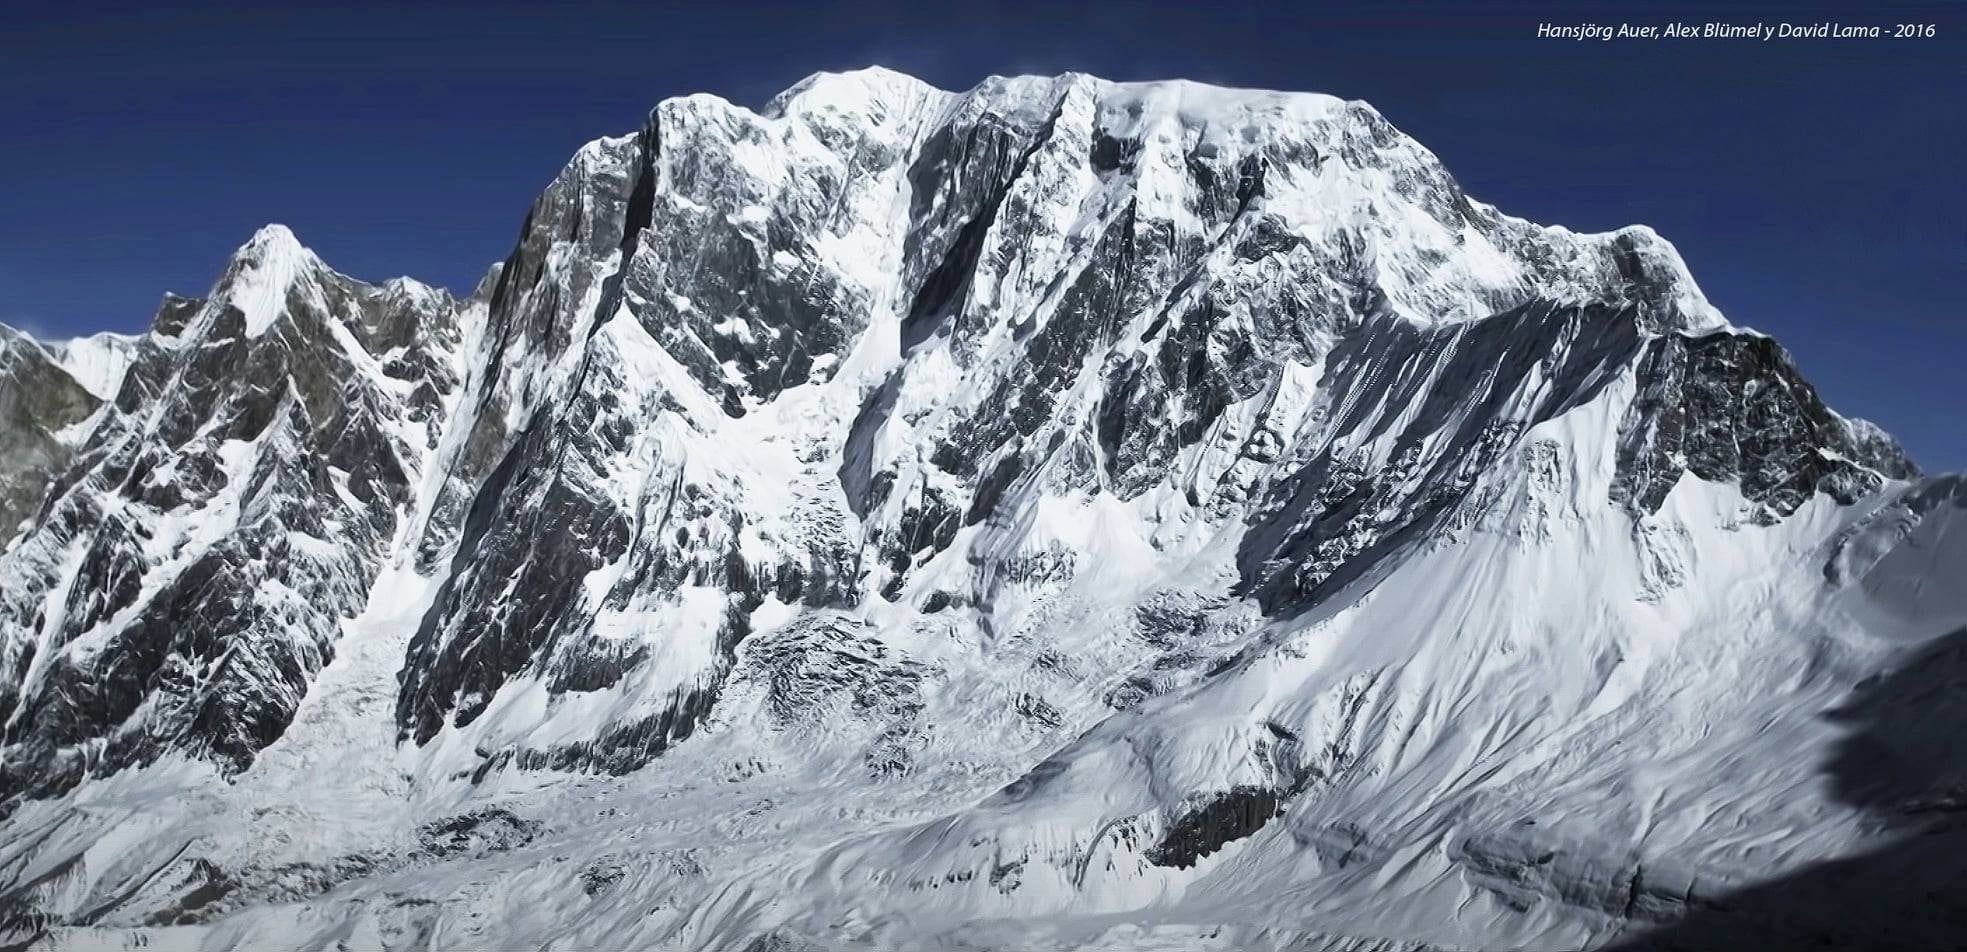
(1065, 514)
(187, 575)
(41, 404)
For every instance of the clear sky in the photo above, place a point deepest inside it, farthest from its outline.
(1815, 187)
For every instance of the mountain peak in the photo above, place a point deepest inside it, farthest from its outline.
(261, 273)
(870, 77)
(1192, 103)
(274, 238)
(274, 231)
(1207, 102)
(98, 360)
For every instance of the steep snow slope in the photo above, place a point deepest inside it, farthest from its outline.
(99, 360)
(1062, 514)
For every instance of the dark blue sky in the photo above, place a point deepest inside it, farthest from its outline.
(1815, 187)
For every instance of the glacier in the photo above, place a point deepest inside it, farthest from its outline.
(1063, 514)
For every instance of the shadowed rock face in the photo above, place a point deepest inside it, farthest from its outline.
(1421, 415)
(38, 400)
(1732, 408)
(1215, 822)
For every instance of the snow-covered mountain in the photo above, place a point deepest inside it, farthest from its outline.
(1065, 514)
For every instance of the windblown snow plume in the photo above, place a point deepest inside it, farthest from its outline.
(1065, 514)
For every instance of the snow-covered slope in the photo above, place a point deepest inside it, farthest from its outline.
(98, 361)
(1062, 514)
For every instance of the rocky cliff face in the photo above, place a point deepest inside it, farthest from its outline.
(894, 513)
(41, 408)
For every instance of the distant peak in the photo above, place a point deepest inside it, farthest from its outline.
(11, 336)
(274, 249)
(274, 237)
(488, 283)
(404, 284)
(1651, 260)
(850, 87)
(873, 75)
(97, 361)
